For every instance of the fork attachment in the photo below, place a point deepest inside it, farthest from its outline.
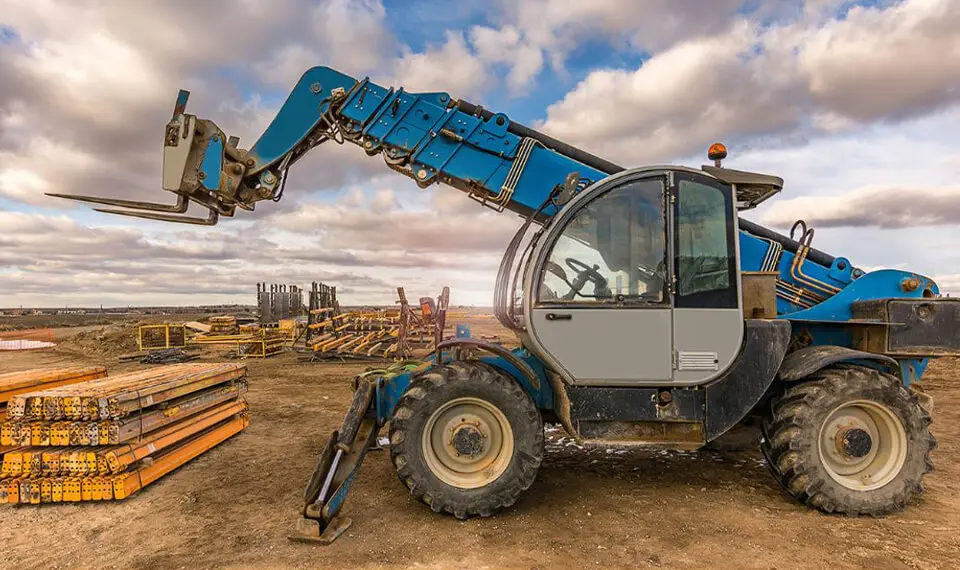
(200, 165)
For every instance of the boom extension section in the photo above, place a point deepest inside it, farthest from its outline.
(429, 137)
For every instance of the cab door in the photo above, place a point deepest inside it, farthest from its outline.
(600, 307)
(707, 314)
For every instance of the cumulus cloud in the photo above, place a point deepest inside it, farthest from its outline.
(886, 208)
(885, 62)
(508, 46)
(558, 26)
(348, 34)
(694, 92)
(878, 63)
(450, 66)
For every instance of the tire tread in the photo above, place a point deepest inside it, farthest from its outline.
(425, 488)
(789, 432)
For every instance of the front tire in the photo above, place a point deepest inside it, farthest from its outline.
(850, 440)
(466, 439)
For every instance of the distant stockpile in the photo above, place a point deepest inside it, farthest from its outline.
(376, 333)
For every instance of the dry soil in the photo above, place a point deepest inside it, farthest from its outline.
(590, 507)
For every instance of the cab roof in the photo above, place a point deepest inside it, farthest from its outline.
(751, 188)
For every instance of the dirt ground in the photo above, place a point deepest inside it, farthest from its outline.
(590, 507)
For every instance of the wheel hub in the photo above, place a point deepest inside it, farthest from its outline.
(467, 443)
(854, 442)
(863, 445)
(468, 440)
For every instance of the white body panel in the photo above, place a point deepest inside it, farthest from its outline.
(609, 346)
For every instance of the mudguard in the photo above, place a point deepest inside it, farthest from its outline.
(731, 398)
(802, 363)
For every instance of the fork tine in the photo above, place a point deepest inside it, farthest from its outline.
(210, 220)
(178, 208)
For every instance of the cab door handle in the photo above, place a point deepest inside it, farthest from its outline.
(559, 316)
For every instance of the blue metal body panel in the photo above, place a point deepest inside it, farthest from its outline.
(298, 116)
(212, 165)
(912, 369)
(391, 388)
(880, 284)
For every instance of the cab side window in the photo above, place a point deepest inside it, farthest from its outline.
(705, 251)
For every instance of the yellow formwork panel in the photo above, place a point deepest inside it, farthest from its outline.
(155, 337)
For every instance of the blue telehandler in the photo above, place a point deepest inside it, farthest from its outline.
(648, 312)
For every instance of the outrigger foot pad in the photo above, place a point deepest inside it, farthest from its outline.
(308, 530)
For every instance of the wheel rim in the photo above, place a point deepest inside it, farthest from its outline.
(467, 443)
(863, 445)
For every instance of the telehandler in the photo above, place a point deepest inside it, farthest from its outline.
(648, 312)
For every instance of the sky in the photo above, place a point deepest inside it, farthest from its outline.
(855, 104)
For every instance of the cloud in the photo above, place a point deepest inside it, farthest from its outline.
(885, 208)
(892, 62)
(366, 243)
(697, 91)
(558, 27)
(795, 77)
(348, 35)
(451, 225)
(451, 67)
(508, 46)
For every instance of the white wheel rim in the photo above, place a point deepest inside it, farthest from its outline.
(863, 445)
(467, 443)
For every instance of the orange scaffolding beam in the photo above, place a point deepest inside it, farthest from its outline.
(15, 383)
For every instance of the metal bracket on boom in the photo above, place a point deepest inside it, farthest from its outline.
(571, 186)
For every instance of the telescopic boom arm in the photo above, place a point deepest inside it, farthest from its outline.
(429, 137)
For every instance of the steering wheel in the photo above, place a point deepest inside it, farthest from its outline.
(586, 273)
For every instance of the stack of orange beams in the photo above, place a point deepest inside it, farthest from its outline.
(107, 438)
(16, 383)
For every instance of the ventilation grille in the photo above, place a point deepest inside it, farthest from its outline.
(689, 360)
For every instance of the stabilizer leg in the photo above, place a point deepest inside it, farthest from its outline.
(336, 470)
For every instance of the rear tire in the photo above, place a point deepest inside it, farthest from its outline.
(850, 440)
(466, 439)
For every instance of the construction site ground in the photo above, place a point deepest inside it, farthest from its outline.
(594, 507)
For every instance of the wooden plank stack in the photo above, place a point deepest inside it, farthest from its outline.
(107, 438)
(360, 334)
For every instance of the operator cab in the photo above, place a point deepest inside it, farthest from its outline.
(637, 280)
